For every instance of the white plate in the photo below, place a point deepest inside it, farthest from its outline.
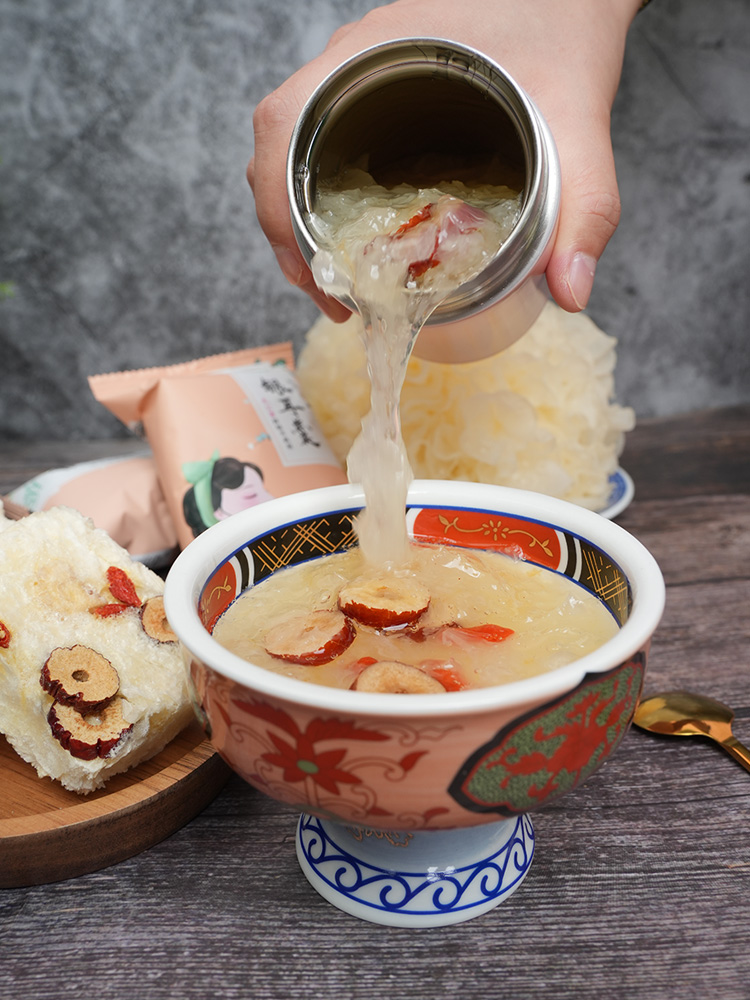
(621, 493)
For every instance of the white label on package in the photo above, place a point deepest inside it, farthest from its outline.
(287, 417)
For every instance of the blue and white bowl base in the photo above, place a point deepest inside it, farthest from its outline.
(422, 878)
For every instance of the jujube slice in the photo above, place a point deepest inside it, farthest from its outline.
(90, 735)
(384, 601)
(392, 677)
(154, 621)
(310, 638)
(80, 677)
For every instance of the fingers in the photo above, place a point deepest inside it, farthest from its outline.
(589, 210)
(273, 122)
(571, 70)
(340, 34)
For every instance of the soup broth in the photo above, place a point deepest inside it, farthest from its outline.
(491, 619)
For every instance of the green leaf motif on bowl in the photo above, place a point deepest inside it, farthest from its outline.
(536, 759)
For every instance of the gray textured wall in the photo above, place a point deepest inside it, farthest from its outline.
(128, 231)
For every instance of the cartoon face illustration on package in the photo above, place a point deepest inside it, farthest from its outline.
(220, 487)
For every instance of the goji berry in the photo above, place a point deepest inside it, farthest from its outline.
(4, 636)
(421, 216)
(420, 267)
(107, 610)
(488, 632)
(122, 587)
(448, 677)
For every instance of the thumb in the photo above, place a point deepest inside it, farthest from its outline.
(589, 213)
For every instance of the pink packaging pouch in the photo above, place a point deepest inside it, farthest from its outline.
(226, 432)
(121, 495)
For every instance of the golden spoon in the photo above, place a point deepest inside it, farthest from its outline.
(680, 713)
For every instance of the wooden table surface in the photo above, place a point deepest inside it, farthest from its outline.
(640, 886)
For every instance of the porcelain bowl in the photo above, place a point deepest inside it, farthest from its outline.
(388, 762)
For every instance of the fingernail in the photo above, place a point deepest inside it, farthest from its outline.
(581, 278)
(290, 264)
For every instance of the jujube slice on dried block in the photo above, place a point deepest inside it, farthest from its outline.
(80, 677)
(384, 601)
(310, 638)
(94, 734)
(154, 621)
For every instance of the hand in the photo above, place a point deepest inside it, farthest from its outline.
(567, 56)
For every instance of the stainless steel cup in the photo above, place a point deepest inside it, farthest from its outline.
(420, 110)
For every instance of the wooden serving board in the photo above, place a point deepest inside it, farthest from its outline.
(48, 833)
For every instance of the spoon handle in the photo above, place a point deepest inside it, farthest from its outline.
(737, 750)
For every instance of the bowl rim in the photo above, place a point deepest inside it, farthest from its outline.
(195, 564)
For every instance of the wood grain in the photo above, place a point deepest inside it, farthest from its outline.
(697, 454)
(48, 833)
(640, 886)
